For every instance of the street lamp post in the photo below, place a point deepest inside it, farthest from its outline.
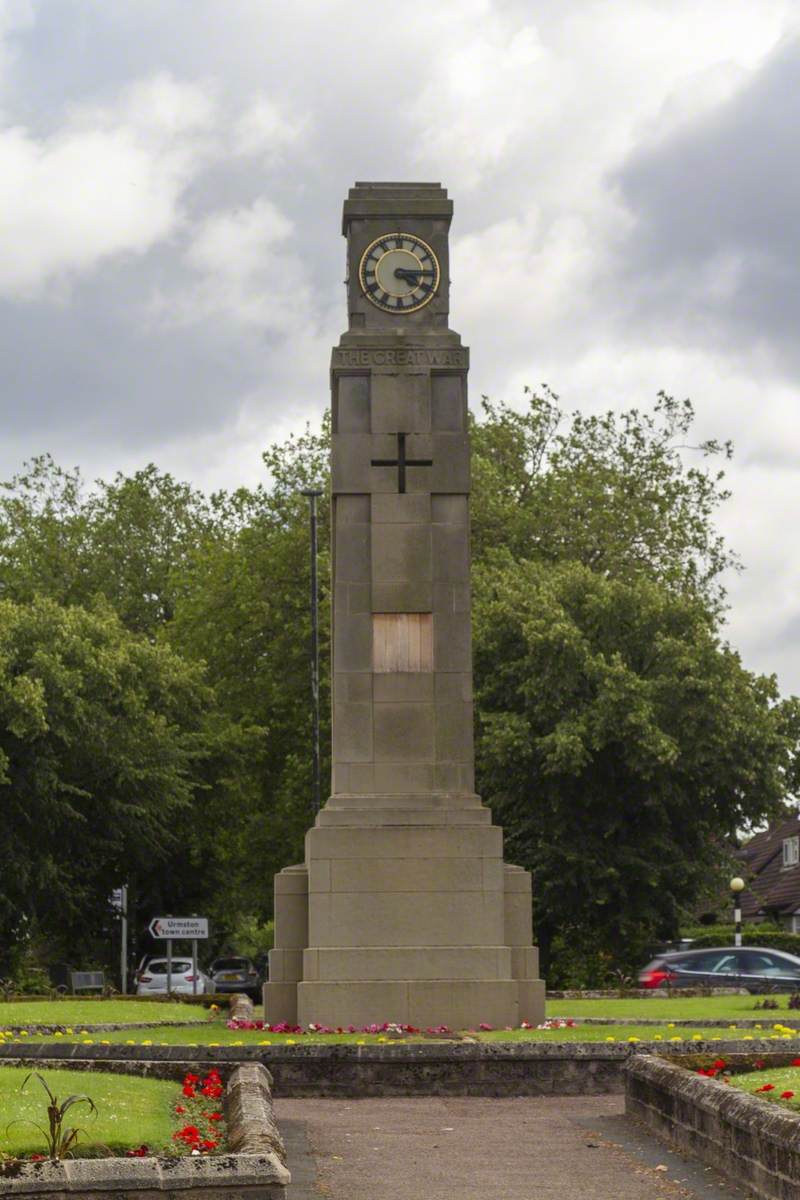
(737, 887)
(313, 495)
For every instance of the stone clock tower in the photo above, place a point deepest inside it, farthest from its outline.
(404, 909)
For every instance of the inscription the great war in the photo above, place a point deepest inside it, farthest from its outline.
(400, 358)
(403, 909)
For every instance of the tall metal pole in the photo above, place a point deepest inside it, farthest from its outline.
(123, 952)
(313, 495)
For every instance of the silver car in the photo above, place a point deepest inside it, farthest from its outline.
(151, 980)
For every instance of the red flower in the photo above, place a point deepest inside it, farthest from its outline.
(720, 1064)
(191, 1079)
(766, 1087)
(208, 1144)
(796, 1062)
(759, 1064)
(787, 1095)
(189, 1091)
(35, 1157)
(215, 1116)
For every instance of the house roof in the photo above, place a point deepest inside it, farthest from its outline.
(771, 887)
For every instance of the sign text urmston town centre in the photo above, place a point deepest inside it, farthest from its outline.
(179, 927)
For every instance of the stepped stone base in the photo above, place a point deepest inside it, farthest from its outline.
(408, 916)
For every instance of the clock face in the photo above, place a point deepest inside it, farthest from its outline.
(399, 272)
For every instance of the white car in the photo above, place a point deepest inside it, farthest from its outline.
(151, 980)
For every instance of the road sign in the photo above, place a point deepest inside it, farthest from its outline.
(179, 927)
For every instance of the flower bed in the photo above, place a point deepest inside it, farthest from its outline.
(198, 1159)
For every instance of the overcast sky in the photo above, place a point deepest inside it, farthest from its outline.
(626, 179)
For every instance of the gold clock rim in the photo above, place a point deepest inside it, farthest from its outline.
(412, 237)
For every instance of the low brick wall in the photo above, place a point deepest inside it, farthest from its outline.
(410, 1069)
(753, 1143)
(256, 1169)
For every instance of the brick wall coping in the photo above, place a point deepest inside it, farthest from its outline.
(256, 1168)
(66, 1053)
(754, 1143)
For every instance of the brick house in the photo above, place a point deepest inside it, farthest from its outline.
(771, 867)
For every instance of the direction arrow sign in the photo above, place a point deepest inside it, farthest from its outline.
(179, 927)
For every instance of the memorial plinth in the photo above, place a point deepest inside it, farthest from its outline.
(404, 909)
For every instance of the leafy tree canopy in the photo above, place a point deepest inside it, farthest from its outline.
(626, 494)
(99, 752)
(620, 743)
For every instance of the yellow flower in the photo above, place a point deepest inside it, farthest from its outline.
(130, 1042)
(611, 1039)
(633, 1039)
(214, 1007)
(58, 1034)
(105, 1043)
(676, 1039)
(697, 1037)
(731, 1027)
(88, 1041)
(670, 1025)
(148, 1042)
(23, 1033)
(758, 1027)
(657, 1037)
(69, 1031)
(361, 1043)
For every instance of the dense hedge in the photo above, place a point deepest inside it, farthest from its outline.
(752, 935)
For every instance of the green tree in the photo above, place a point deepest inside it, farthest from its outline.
(123, 539)
(626, 494)
(100, 748)
(620, 741)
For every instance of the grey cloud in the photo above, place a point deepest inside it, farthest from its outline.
(713, 256)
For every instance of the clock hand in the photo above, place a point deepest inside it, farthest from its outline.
(410, 274)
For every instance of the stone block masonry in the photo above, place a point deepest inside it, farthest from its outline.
(403, 909)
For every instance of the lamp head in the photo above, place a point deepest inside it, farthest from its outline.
(737, 884)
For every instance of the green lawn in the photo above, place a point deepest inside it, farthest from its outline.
(217, 1034)
(131, 1111)
(95, 1012)
(784, 1079)
(673, 1009)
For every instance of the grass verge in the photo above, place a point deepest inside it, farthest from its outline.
(95, 1012)
(783, 1080)
(693, 1008)
(131, 1111)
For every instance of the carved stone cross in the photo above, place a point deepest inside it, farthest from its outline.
(401, 462)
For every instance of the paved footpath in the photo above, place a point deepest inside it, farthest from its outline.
(531, 1148)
